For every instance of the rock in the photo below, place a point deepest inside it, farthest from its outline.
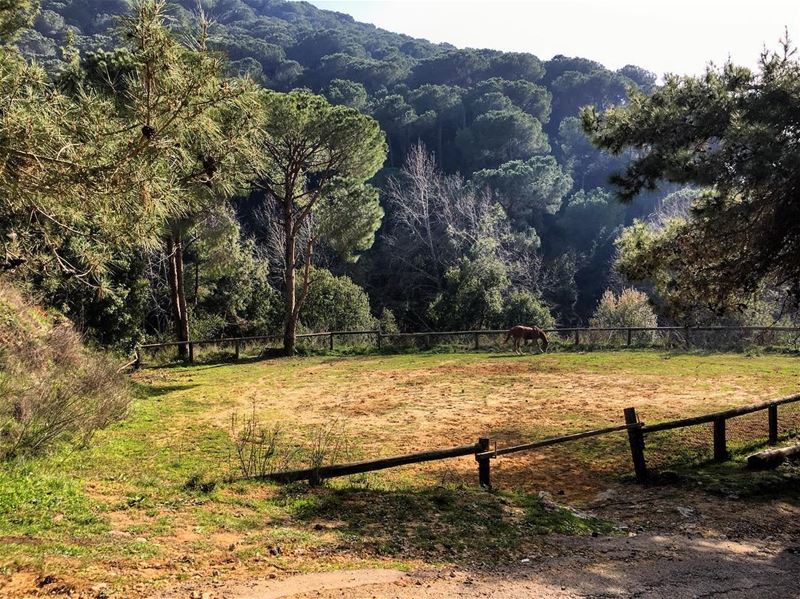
(686, 512)
(606, 495)
(100, 590)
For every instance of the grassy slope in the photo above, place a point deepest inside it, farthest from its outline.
(120, 511)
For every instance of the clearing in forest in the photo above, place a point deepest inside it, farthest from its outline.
(138, 510)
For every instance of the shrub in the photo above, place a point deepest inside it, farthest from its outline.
(387, 321)
(523, 307)
(335, 304)
(630, 308)
(52, 388)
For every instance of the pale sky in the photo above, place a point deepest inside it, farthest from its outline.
(677, 36)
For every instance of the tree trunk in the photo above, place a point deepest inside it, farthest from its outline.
(196, 298)
(176, 290)
(439, 157)
(290, 317)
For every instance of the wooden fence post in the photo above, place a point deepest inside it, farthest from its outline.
(669, 338)
(331, 342)
(577, 337)
(477, 342)
(138, 363)
(720, 448)
(629, 337)
(238, 349)
(636, 440)
(379, 339)
(772, 411)
(191, 353)
(484, 465)
(688, 337)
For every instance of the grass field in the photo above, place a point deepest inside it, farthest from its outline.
(148, 504)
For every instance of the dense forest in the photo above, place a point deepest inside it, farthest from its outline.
(488, 205)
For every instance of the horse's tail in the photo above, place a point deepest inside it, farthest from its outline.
(508, 336)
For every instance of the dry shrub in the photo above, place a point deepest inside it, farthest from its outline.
(259, 449)
(263, 450)
(52, 388)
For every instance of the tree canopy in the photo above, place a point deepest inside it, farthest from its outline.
(733, 132)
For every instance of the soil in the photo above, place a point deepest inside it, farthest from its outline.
(671, 545)
(673, 567)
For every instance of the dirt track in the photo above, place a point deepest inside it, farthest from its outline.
(673, 566)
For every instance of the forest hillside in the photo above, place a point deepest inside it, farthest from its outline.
(500, 125)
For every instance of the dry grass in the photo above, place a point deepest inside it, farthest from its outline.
(126, 514)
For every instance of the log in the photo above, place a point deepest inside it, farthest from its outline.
(772, 458)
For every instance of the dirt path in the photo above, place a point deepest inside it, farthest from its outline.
(673, 566)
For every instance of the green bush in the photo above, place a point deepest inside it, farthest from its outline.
(523, 307)
(335, 304)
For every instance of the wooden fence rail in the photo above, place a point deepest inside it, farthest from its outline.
(577, 333)
(483, 454)
(638, 430)
(315, 475)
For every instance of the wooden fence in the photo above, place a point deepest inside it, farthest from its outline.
(483, 454)
(686, 336)
(637, 430)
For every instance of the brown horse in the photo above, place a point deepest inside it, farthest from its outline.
(521, 333)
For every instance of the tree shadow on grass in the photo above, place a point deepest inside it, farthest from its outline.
(145, 390)
(436, 524)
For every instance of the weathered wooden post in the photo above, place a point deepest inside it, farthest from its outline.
(636, 440)
(237, 349)
(484, 465)
(379, 339)
(191, 353)
(688, 338)
(772, 412)
(669, 338)
(720, 449)
(477, 342)
(629, 337)
(577, 337)
(138, 363)
(331, 342)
